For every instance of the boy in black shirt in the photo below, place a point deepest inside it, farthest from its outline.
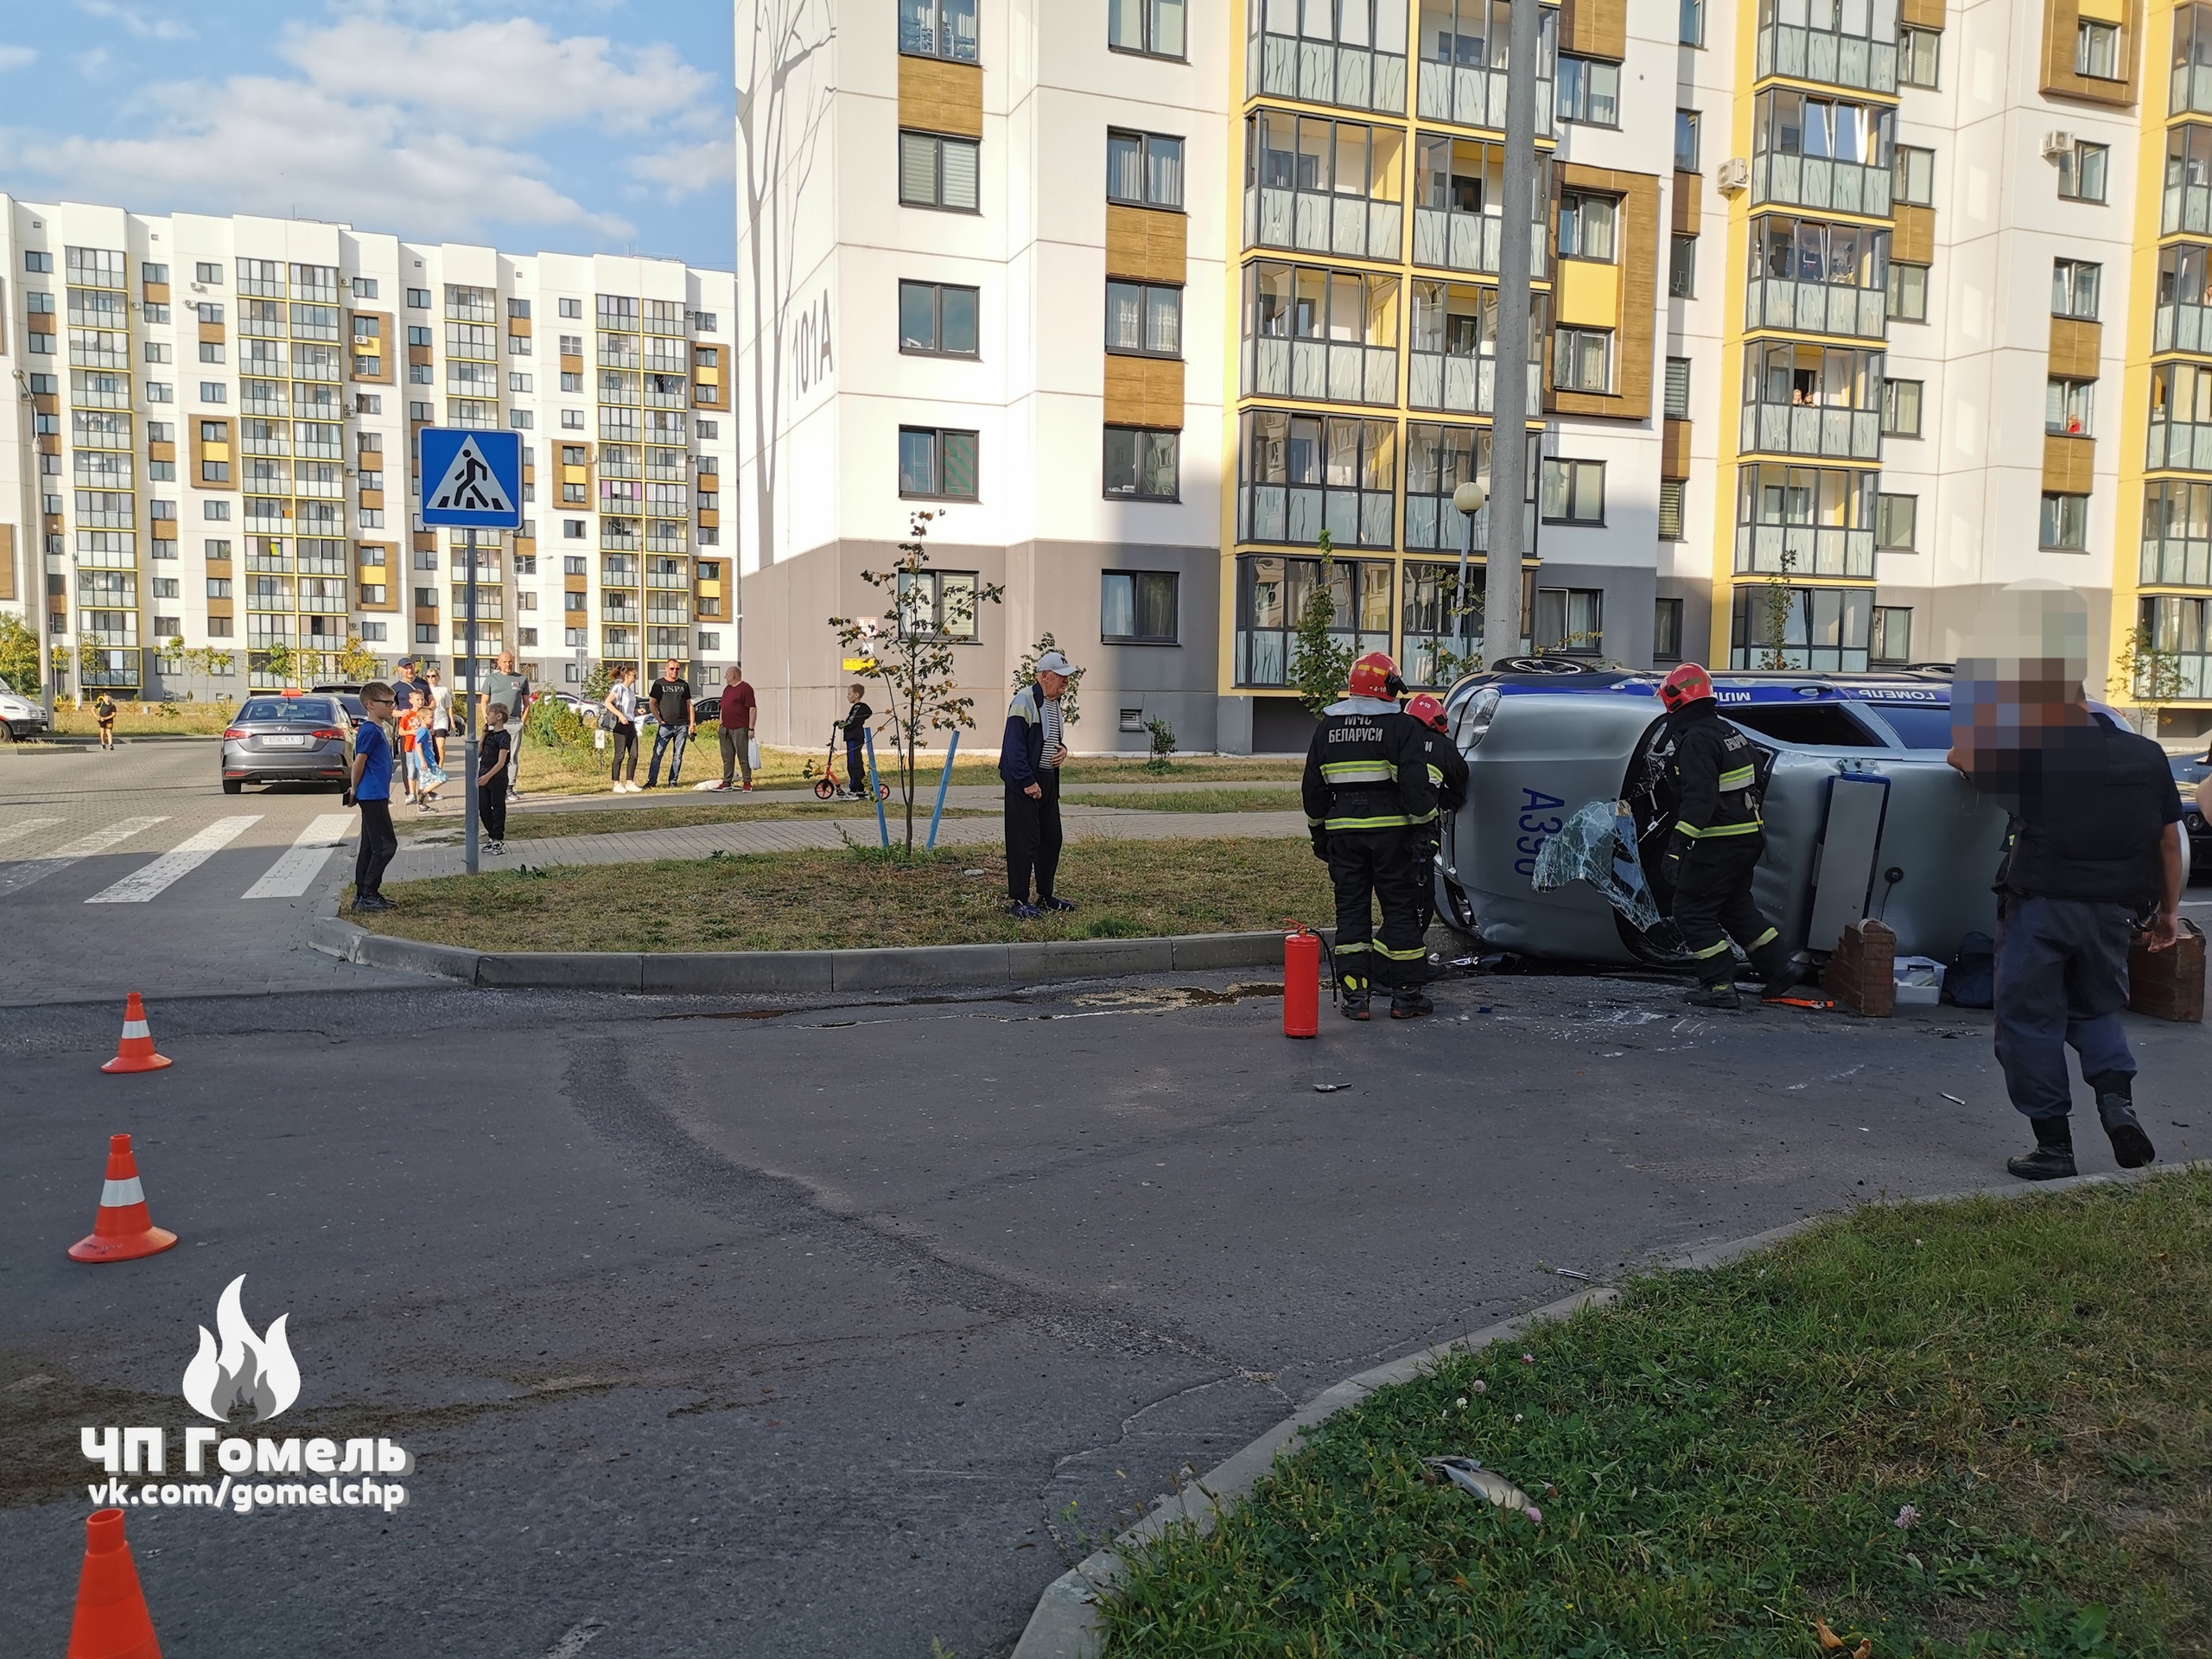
(492, 781)
(855, 728)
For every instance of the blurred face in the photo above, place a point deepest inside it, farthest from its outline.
(1051, 684)
(506, 662)
(852, 693)
(671, 672)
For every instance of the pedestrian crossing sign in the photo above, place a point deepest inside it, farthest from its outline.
(476, 479)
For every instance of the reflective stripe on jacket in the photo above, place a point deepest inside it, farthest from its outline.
(1368, 769)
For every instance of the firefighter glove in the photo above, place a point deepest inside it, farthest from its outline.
(1321, 843)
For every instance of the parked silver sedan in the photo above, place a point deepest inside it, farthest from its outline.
(292, 737)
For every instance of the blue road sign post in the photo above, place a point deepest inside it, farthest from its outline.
(472, 480)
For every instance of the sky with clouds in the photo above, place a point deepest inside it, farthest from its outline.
(568, 125)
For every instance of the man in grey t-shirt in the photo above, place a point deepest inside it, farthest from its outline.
(510, 691)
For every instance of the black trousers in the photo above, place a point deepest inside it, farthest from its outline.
(378, 842)
(623, 744)
(1369, 867)
(1712, 904)
(491, 807)
(1033, 837)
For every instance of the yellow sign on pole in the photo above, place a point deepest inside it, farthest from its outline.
(860, 665)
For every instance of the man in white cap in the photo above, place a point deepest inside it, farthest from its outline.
(1030, 755)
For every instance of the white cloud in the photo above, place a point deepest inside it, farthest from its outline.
(134, 19)
(16, 57)
(686, 169)
(92, 65)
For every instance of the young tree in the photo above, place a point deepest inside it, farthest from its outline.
(1025, 673)
(19, 656)
(1320, 667)
(913, 661)
(355, 664)
(2144, 676)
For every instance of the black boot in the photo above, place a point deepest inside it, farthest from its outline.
(1410, 1002)
(2130, 1148)
(1355, 994)
(2053, 1158)
(1722, 995)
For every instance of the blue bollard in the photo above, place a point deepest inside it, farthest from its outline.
(875, 788)
(943, 782)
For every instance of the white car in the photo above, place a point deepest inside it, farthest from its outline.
(21, 716)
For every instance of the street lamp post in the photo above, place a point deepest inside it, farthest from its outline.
(1468, 499)
(33, 538)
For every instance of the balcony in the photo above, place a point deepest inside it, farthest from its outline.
(1476, 98)
(1456, 241)
(1818, 183)
(1832, 60)
(1795, 429)
(611, 610)
(1322, 72)
(2182, 328)
(1312, 222)
(1322, 370)
(1803, 550)
(2178, 446)
(1297, 514)
(1433, 524)
(1817, 307)
(2176, 562)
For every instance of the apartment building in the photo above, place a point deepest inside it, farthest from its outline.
(212, 445)
(1851, 311)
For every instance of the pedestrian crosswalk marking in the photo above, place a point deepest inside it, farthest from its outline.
(295, 873)
(10, 832)
(187, 856)
(16, 877)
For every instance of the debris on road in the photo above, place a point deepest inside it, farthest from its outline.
(1571, 1273)
(1470, 1476)
(1954, 1099)
(1329, 1088)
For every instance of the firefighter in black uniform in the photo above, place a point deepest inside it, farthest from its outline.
(1716, 843)
(1447, 776)
(1372, 810)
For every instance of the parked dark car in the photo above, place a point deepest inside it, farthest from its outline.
(2190, 770)
(292, 737)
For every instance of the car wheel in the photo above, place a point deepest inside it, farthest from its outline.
(7, 732)
(232, 785)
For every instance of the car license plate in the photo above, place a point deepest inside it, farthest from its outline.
(283, 743)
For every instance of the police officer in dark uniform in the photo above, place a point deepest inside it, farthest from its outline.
(1716, 843)
(1372, 810)
(2094, 850)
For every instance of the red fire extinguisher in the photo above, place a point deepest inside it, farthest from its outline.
(1301, 983)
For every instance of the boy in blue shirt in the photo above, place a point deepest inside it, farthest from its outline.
(370, 791)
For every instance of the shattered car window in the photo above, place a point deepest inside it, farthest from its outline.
(1598, 845)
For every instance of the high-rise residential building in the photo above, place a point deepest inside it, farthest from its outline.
(1145, 298)
(209, 465)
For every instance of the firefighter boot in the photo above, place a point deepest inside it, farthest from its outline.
(1410, 1002)
(2053, 1158)
(2130, 1148)
(1355, 994)
(1722, 995)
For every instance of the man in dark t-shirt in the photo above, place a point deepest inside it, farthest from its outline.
(671, 700)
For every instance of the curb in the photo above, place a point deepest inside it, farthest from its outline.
(710, 972)
(1065, 1624)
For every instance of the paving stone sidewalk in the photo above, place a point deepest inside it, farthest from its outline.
(419, 863)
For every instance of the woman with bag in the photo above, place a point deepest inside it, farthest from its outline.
(619, 716)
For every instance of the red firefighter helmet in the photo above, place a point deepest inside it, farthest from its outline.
(1685, 685)
(1427, 710)
(1375, 675)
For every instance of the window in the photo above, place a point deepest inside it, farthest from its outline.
(210, 274)
(2065, 522)
(365, 287)
(517, 344)
(2096, 50)
(2066, 407)
(1272, 591)
(1581, 360)
(1137, 608)
(157, 353)
(1586, 224)
(938, 28)
(1901, 408)
(1691, 29)
(211, 351)
(1152, 26)
(2074, 288)
(1891, 640)
(936, 171)
(418, 299)
(518, 309)
(1896, 520)
(160, 391)
(1573, 491)
(1670, 511)
(1666, 631)
(1681, 267)
(1917, 57)
(218, 587)
(153, 273)
(1144, 169)
(214, 511)
(1678, 389)
(2082, 171)
(1571, 620)
(1914, 183)
(215, 472)
(1589, 90)
(939, 603)
(517, 382)
(213, 391)
(572, 308)
(936, 319)
(1686, 140)
(1143, 465)
(571, 383)
(572, 419)
(1908, 293)
(933, 463)
(1144, 320)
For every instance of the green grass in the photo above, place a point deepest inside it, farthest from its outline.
(846, 897)
(146, 719)
(733, 808)
(1281, 798)
(1722, 1459)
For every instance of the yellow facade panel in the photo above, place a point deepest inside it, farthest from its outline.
(7, 562)
(1596, 29)
(2068, 464)
(2075, 348)
(1144, 391)
(1145, 242)
(1588, 293)
(1913, 239)
(2061, 21)
(936, 96)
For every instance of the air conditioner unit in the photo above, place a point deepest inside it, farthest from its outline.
(2055, 144)
(1734, 177)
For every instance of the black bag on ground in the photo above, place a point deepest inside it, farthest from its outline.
(1972, 982)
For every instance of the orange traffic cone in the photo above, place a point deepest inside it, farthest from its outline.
(134, 1053)
(122, 1230)
(111, 1620)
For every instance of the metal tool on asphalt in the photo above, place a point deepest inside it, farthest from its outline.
(1301, 983)
(123, 1227)
(134, 1050)
(111, 1621)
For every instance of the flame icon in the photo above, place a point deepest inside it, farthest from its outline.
(258, 1370)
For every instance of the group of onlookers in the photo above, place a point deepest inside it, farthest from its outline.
(677, 715)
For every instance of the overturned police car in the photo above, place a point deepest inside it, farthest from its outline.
(1863, 816)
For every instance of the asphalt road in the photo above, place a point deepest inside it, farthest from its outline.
(799, 1334)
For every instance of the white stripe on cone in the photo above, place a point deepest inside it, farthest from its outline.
(116, 1194)
(136, 1028)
